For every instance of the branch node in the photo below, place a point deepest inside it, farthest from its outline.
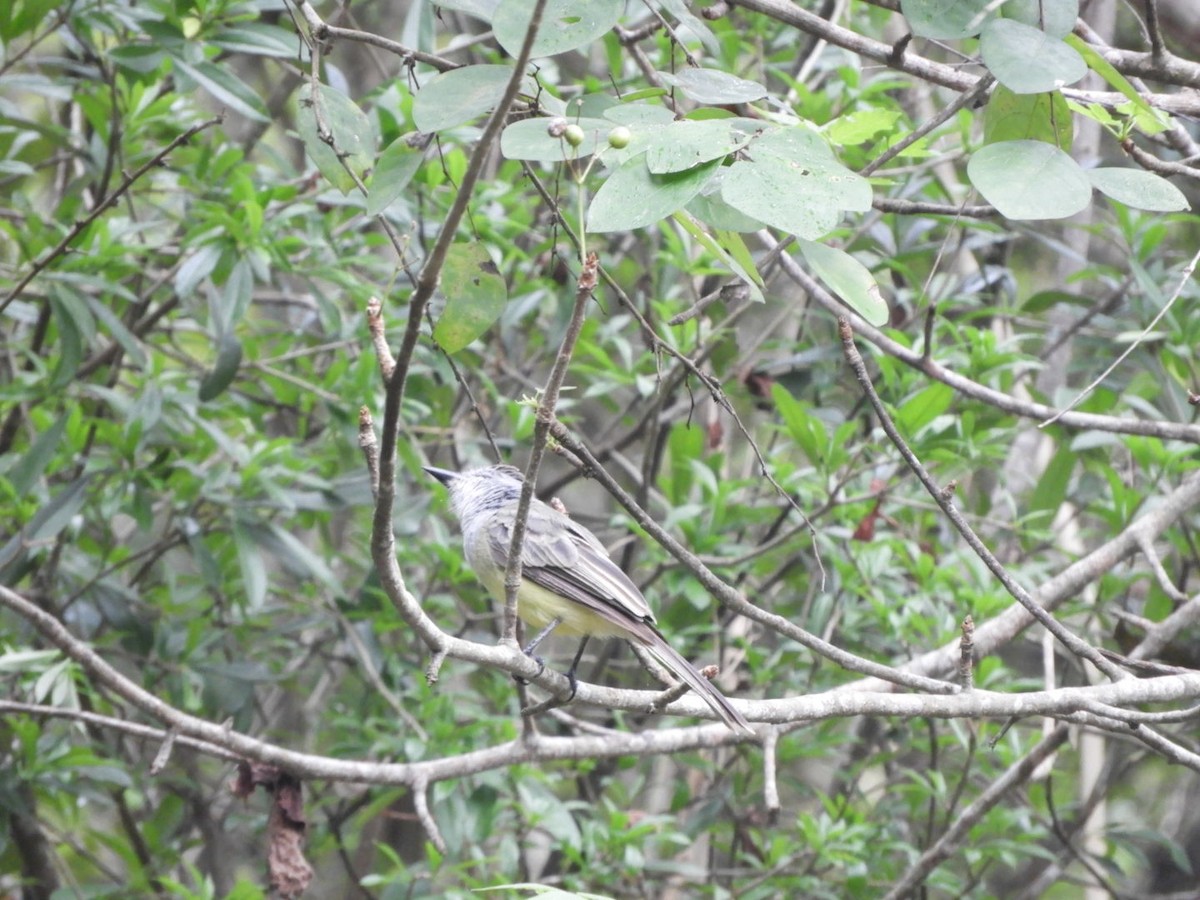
(896, 57)
(164, 752)
(966, 654)
(435, 666)
(375, 323)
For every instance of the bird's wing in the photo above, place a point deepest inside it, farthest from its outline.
(564, 557)
(568, 560)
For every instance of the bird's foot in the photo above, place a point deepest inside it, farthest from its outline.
(541, 668)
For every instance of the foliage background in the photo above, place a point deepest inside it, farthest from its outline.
(186, 349)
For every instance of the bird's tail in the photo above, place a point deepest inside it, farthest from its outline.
(689, 675)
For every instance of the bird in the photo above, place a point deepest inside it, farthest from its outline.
(568, 582)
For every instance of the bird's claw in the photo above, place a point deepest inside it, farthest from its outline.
(541, 668)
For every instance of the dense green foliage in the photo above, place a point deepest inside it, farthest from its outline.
(193, 219)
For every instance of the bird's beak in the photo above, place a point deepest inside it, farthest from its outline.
(445, 476)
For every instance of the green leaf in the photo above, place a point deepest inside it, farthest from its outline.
(122, 335)
(353, 136)
(793, 182)
(861, 125)
(475, 296)
(679, 11)
(222, 83)
(739, 261)
(731, 242)
(1139, 189)
(1028, 61)
(1152, 120)
(456, 97)
(681, 145)
(848, 279)
(235, 297)
(1034, 117)
(224, 370)
(257, 39)
(250, 561)
(1043, 300)
(922, 408)
(634, 197)
(946, 19)
(1029, 180)
(50, 519)
(30, 466)
(713, 86)
(566, 24)
(1051, 488)
(74, 323)
(395, 169)
(631, 114)
(529, 139)
(805, 429)
(1055, 17)
(708, 207)
(196, 268)
(480, 9)
(140, 58)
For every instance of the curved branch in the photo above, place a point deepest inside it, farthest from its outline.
(942, 497)
(1173, 431)
(938, 73)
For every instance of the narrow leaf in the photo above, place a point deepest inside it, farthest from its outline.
(847, 278)
(224, 370)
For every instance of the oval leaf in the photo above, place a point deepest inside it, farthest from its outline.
(1029, 180)
(708, 207)
(566, 24)
(1034, 117)
(1026, 60)
(529, 139)
(714, 86)
(475, 296)
(682, 145)
(458, 96)
(1055, 17)
(946, 19)
(397, 165)
(849, 279)
(1141, 190)
(353, 136)
(634, 197)
(793, 182)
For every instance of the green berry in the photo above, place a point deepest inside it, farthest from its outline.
(619, 137)
(573, 135)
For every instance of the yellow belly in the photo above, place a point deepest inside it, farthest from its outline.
(538, 607)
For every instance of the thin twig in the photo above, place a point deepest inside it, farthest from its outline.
(79, 227)
(1016, 775)
(943, 499)
(545, 415)
(1180, 431)
(382, 538)
(730, 596)
(961, 102)
(1184, 278)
